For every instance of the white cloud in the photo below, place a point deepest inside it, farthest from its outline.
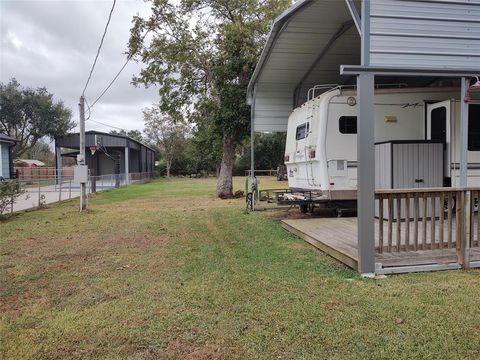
(53, 44)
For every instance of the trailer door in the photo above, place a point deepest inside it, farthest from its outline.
(439, 128)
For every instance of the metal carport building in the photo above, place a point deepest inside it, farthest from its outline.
(364, 43)
(114, 154)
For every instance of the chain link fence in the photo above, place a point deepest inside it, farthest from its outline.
(61, 186)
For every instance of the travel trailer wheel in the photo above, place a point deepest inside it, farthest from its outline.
(304, 208)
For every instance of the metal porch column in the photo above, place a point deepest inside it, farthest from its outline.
(366, 174)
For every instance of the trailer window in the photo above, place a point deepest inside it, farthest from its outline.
(302, 131)
(474, 127)
(348, 124)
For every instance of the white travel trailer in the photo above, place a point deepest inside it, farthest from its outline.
(321, 147)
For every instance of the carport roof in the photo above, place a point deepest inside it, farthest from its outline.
(305, 47)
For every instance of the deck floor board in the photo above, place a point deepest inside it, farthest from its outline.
(338, 238)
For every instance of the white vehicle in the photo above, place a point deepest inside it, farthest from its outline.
(321, 147)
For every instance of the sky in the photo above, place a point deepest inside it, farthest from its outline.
(53, 44)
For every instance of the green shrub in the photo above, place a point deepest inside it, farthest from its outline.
(9, 191)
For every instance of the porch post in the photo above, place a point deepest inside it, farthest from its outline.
(464, 255)
(464, 132)
(366, 174)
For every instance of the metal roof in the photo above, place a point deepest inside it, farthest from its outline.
(305, 47)
(311, 40)
(5, 138)
(116, 140)
(29, 162)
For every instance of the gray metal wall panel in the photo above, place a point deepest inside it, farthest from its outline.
(429, 34)
(383, 166)
(143, 159)
(272, 108)
(407, 162)
(106, 165)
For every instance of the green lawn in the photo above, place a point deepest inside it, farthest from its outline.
(164, 270)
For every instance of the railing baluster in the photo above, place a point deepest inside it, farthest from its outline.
(407, 222)
(399, 221)
(450, 215)
(390, 222)
(433, 200)
(416, 215)
(442, 219)
(424, 221)
(458, 221)
(380, 224)
(477, 197)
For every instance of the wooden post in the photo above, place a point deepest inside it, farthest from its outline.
(380, 224)
(466, 232)
(407, 222)
(460, 227)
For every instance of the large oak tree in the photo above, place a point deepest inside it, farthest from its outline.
(28, 115)
(202, 54)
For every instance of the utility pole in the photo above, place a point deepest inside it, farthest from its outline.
(81, 157)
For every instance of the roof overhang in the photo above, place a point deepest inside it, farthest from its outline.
(421, 71)
(305, 47)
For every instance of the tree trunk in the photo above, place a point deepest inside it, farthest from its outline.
(169, 164)
(224, 181)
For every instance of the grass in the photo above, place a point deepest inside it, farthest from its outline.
(164, 270)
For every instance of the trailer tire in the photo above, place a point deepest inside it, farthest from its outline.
(304, 208)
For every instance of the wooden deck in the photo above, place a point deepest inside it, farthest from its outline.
(338, 238)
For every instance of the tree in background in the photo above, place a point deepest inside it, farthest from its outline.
(202, 54)
(41, 151)
(269, 152)
(133, 134)
(168, 136)
(29, 115)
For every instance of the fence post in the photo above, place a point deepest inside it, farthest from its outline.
(70, 190)
(59, 190)
(39, 195)
(463, 232)
(93, 183)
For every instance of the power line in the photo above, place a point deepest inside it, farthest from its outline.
(119, 72)
(111, 83)
(111, 126)
(99, 47)
(88, 108)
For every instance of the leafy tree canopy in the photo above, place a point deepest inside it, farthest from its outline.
(202, 54)
(133, 134)
(28, 115)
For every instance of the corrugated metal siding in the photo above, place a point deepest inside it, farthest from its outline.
(433, 34)
(295, 50)
(383, 166)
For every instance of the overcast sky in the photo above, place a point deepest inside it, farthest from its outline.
(53, 44)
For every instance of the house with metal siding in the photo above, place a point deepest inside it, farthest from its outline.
(6, 167)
